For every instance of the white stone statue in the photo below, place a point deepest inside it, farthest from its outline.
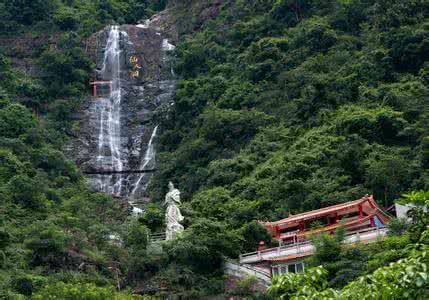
(173, 216)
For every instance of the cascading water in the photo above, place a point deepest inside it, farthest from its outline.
(147, 159)
(109, 156)
(109, 108)
(117, 133)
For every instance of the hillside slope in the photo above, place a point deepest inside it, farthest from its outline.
(56, 235)
(287, 107)
(282, 106)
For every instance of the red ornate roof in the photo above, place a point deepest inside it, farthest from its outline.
(367, 204)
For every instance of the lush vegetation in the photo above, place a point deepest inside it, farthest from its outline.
(282, 106)
(84, 17)
(58, 240)
(286, 106)
(395, 268)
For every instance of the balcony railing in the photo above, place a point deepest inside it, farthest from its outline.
(368, 234)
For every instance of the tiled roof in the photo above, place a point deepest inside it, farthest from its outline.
(319, 212)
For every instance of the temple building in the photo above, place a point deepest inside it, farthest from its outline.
(363, 220)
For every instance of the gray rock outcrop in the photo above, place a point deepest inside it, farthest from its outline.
(146, 86)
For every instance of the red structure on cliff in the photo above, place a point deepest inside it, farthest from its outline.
(101, 89)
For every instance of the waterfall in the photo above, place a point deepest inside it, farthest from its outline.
(148, 157)
(109, 108)
(117, 133)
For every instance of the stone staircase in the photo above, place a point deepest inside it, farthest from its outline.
(157, 237)
(242, 271)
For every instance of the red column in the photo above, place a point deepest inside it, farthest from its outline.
(94, 90)
(372, 222)
(360, 211)
(276, 232)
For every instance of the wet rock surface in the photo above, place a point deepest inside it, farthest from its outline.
(147, 86)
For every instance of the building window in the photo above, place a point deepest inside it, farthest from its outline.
(299, 267)
(288, 268)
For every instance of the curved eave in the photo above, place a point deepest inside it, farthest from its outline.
(342, 207)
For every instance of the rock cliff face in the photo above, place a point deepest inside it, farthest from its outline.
(191, 15)
(117, 132)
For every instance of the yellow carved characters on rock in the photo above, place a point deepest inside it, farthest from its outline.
(135, 72)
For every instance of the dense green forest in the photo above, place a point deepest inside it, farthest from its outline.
(282, 106)
(54, 233)
(288, 106)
